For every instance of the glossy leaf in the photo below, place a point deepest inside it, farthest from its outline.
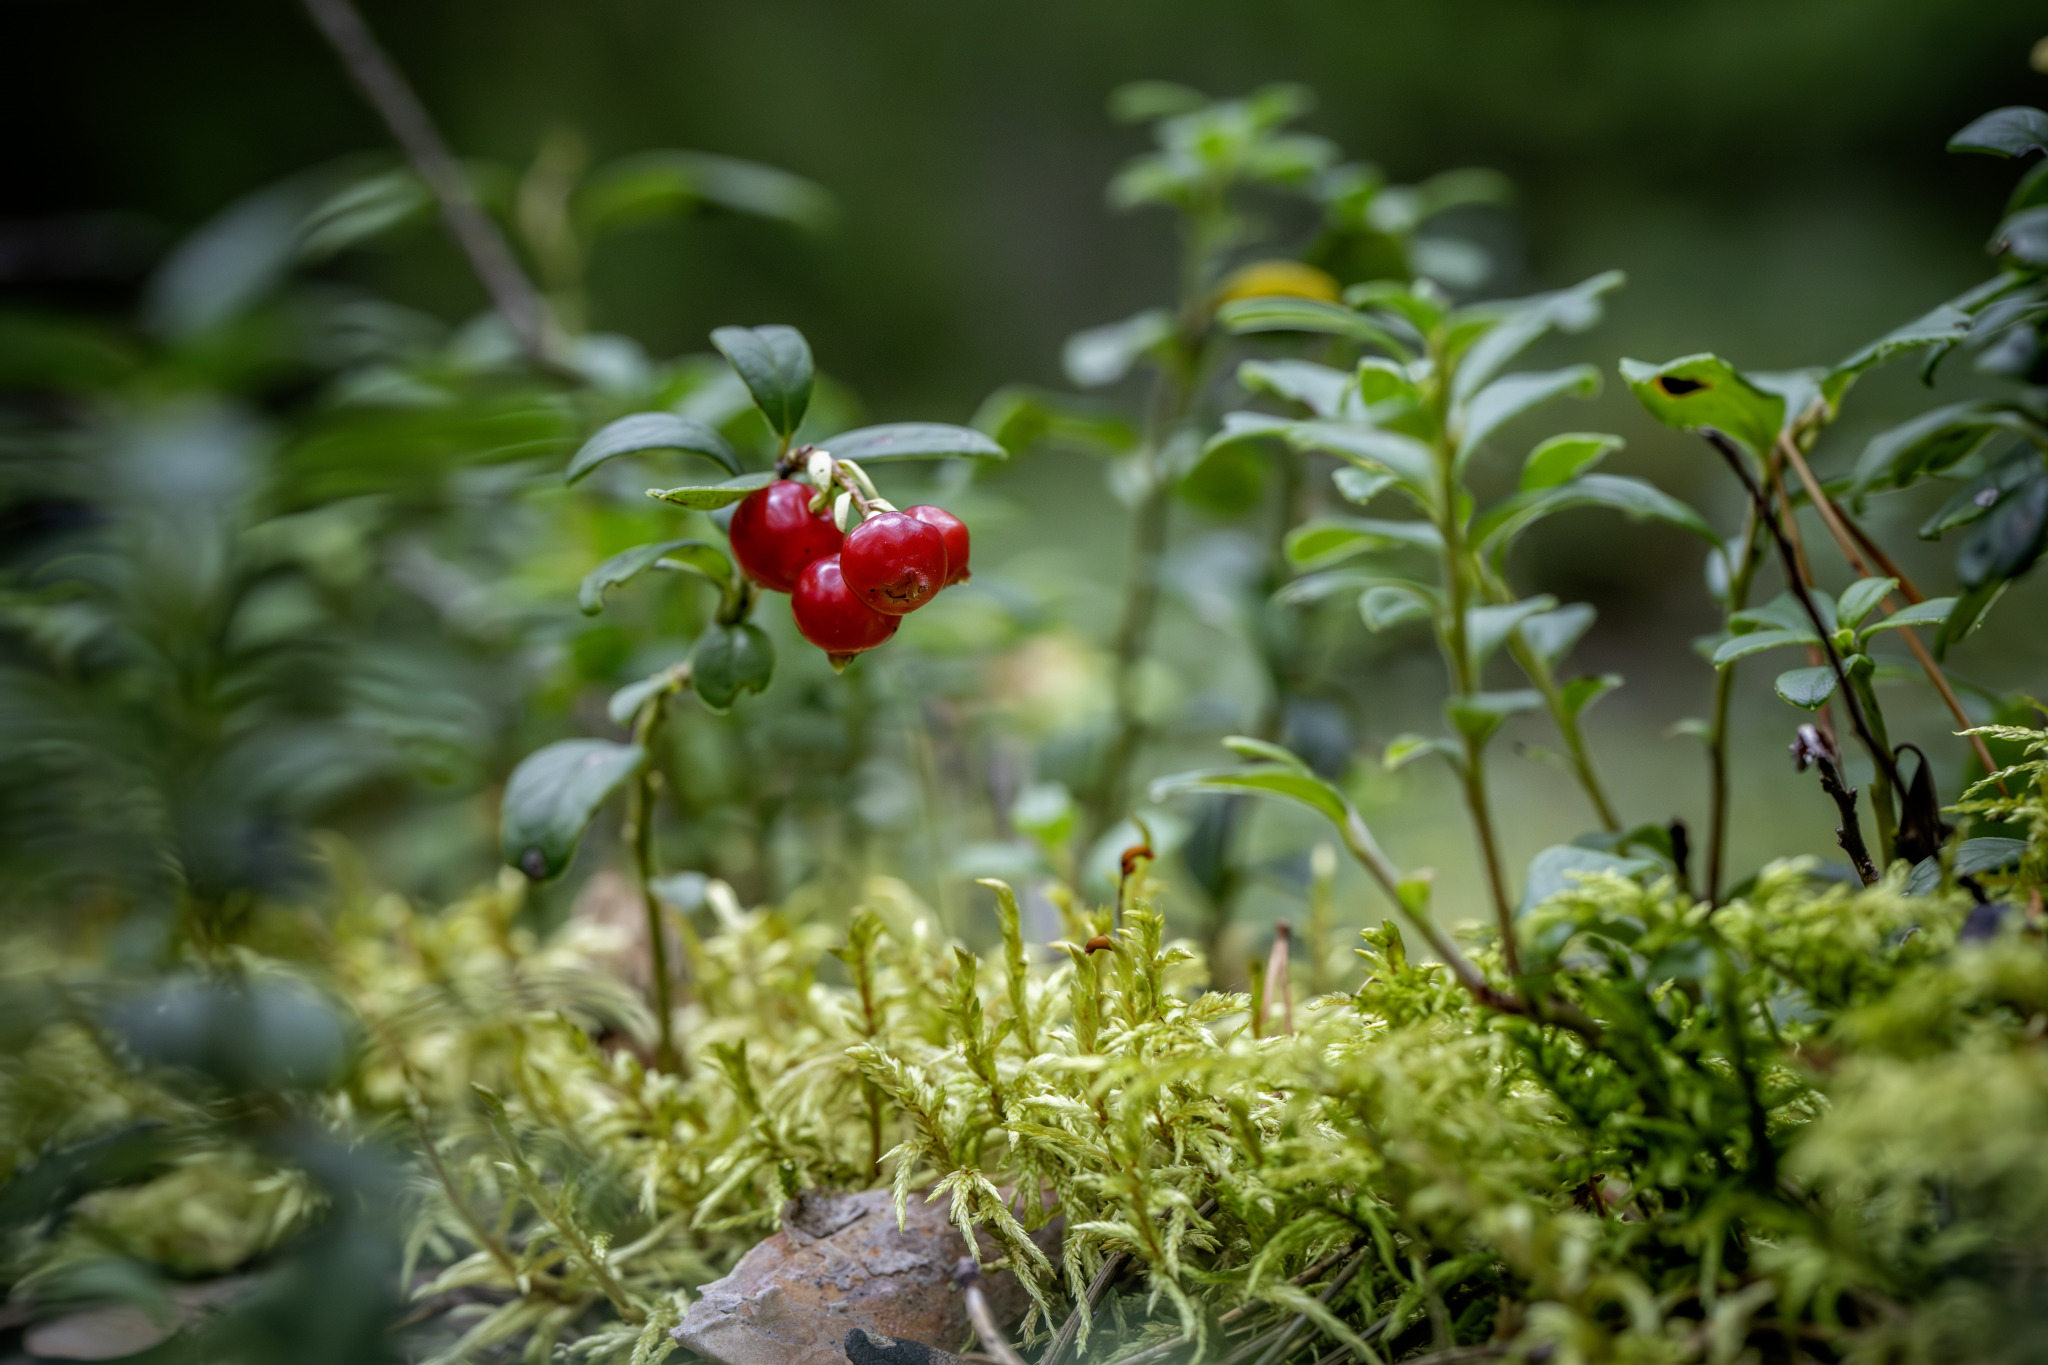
(1512, 395)
(1809, 688)
(552, 797)
(1495, 532)
(1327, 541)
(1941, 327)
(728, 660)
(1861, 598)
(1288, 783)
(647, 431)
(775, 364)
(1756, 642)
(2023, 237)
(1698, 391)
(1562, 458)
(627, 565)
(1522, 322)
(913, 441)
(1933, 612)
(2012, 131)
(1102, 355)
(1552, 634)
(711, 497)
(2008, 540)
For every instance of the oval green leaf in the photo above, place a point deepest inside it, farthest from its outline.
(552, 797)
(913, 441)
(775, 364)
(711, 497)
(646, 431)
(1808, 688)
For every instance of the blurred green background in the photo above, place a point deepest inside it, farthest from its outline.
(1770, 175)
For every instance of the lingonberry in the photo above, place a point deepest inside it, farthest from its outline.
(894, 562)
(953, 530)
(776, 536)
(831, 617)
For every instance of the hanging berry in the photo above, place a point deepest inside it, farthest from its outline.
(776, 536)
(953, 531)
(832, 618)
(894, 562)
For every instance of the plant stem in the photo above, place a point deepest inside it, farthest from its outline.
(1724, 692)
(384, 86)
(646, 729)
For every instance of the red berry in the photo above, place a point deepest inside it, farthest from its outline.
(894, 563)
(776, 536)
(953, 530)
(831, 617)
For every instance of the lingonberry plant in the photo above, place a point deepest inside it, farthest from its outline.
(811, 525)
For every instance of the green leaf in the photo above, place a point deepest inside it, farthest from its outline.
(625, 703)
(2009, 539)
(1698, 391)
(710, 497)
(1249, 746)
(1359, 485)
(1329, 540)
(1309, 315)
(1102, 355)
(1933, 612)
(1988, 855)
(1018, 417)
(645, 431)
(1495, 532)
(1476, 715)
(1509, 329)
(1275, 780)
(1930, 443)
(552, 797)
(1386, 605)
(1144, 101)
(1860, 598)
(1784, 612)
(1553, 634)
(1317, 586)
(1809, 688)
(1374, 449)
(728, 660)
(1941, 327)
(626, 565)
(775, 364)
(664, 183)
(2012, 131)
(1563, 458)
(2023, 237)
(1487, 628)
(1322, 390)
(1512, 395)
(1578, 694)
(1971, 609)
(1756, 642)
(1405, 749)
(913, 441)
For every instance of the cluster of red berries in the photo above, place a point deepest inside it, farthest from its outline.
(849, 591)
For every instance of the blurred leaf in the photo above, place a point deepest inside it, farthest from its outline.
(1931, 442)
(1409, 461)
(1504, 330)
(1698, 391)
(1487, 628)
(1562, 866)
(1476, 715)
(1562, 458)
(2011, 131)
(44, 352)
(1359, 485)
(1940, 328)
(552, 797)
(363, 210)
(232, 260)
(1329, 540)
(626, 565)
(2023, 237)
(1578, 694)
(710, 497)
(645, 431)
(652, 185)
(625, 703)
(1784, 612)
(1495, 531)
(2008, 541)
(1102, 355)
(1319, 388)
(912, 441)
(1282, 314)
(1386, 605)
(1509, 397)
(1287, 781)
(1405, 749)
(1808, 688)
(775, 364)
(1553, 633)
(728, 660)
(1144, 101)
(1018, 417)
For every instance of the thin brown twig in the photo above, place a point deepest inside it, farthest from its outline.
(1849, 538)
(384, 86)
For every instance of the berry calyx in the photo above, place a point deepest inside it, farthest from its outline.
(832, 618)
(776, 536)
(894, 562)
(953, 531)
